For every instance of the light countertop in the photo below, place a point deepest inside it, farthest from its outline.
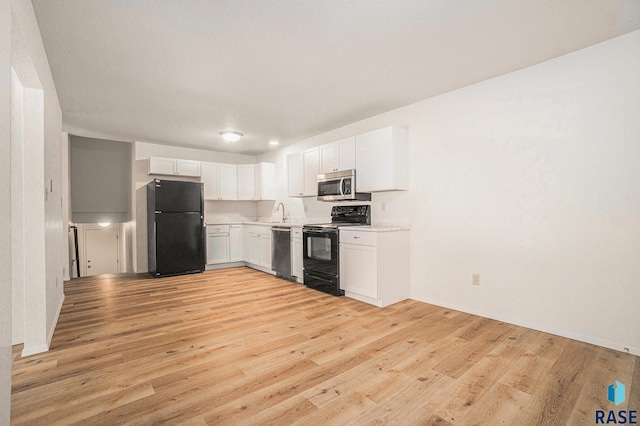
(367, 228)
(378, 228)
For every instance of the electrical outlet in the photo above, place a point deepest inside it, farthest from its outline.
(475, 279)
(383, 207)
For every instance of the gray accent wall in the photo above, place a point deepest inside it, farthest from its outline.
(100, 180)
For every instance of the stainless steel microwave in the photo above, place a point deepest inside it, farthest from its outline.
(340, 186)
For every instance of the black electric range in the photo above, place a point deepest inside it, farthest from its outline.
(321, 245)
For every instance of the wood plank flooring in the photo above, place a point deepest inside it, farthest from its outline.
(238, 346)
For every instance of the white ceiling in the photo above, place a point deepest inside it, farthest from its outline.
(179, 72)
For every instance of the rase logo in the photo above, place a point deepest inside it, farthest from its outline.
(615, 394)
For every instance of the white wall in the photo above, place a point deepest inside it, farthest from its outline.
(44, 234)
(531, 180)
(230, 210)
(5, 213)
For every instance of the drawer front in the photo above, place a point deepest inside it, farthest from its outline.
(358, 237)
(217, 229)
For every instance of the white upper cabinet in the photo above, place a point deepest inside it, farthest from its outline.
(188, 168)
(256, 181)
(245, 175)
(311, 168)
(295, 174)
(302, 173)
(172, 166)
(265, 181)
(340, 155)
(219, 181)
(382, 160)
(227, 189)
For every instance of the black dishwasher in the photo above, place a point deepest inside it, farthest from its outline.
(281, 251)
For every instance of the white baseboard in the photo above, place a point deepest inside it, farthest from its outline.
(55, 322)
(32, 350)
(545, 329)
(213, 267)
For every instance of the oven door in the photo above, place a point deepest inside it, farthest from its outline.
(320, 250)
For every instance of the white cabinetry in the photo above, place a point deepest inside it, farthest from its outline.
(219, 181)
(245, 176)
(340, 155)
(265, 181)
(217, 244)
(296, 253)
(256, 181)
(374, 266)
(235, 243)
(382, 160)
(245, 243)
(260, 245)
(172, 166)
(302, 173)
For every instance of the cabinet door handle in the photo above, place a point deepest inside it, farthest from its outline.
(356, 238)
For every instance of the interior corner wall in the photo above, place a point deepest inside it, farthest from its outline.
(5, 213)
(17, 210)
(44, 231)
(531, 180)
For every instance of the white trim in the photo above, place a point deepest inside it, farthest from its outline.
(55, 321)
(32, 350)
(213, 267)
(545, 329)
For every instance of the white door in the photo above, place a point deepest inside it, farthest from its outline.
(217, 248)
(265, 250)
(255, 254)
(227, 182)
(311, 167)
(235, 243)
(358, 269)
(245, 175)
(101, 247)
(295, 174)
(296, 257)
(328, 158)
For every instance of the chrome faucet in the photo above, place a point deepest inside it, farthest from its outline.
(284, 218)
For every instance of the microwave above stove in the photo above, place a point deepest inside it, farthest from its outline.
(340, 186)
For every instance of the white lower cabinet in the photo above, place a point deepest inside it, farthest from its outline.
(217, 244)
(245, 243)
(235, 243)
(374, 266)
(260, 246)
(239, 243)
(296, 253)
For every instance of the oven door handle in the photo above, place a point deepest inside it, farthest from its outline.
(319, 278)
(313, 231)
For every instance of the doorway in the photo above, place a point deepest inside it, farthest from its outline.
(102, 254)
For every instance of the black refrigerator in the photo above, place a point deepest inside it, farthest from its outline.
(175, 228)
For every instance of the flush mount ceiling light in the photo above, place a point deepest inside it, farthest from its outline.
(231, 136)
(274, 143)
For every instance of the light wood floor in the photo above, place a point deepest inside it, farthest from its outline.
(238, 346)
